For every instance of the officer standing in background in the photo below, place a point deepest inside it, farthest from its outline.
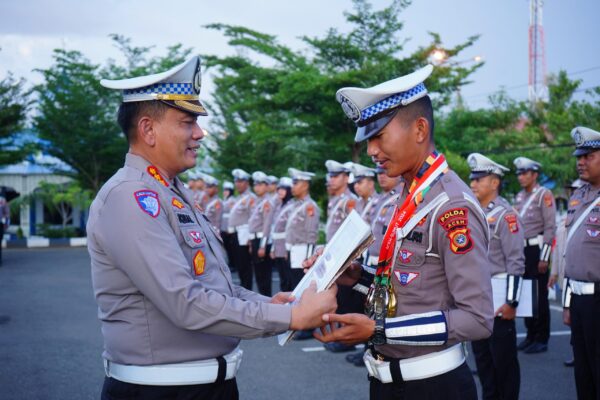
(272, 188)
(432, 288)
(496, 357)
(302, 226)
(4, 221)
(228, 202)
(279, 253)
(537, 212)
(260, 229)
(214, 206)
(238, 226)
(582, 269)
(364, 186)
(171, 316)
(341, 201)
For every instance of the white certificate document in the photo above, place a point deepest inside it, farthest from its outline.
(351, 239)
(298, 253)
(526, 303)
(243, 234)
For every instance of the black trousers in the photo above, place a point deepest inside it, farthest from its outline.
(230, 243)
(457, 384)
(1, 237)
(497, 362)
(117, 390)
(585, 336)
(285, 273)
(242, 262)
(296, 275)
(262, 268)
(538, 328)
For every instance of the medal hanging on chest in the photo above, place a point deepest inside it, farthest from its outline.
(381, 298)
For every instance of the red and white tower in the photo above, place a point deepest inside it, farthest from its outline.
(538, 87)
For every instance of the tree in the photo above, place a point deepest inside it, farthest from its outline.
(13, 108)
(282, 112)
(77, 116)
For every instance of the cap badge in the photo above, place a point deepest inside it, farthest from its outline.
(350, 109)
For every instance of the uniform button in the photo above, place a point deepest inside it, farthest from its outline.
(447, 179)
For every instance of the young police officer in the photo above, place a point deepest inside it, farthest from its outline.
(432, 287)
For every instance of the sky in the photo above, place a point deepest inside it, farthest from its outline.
(31, 29)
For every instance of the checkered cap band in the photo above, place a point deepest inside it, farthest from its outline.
(591, 143)
(162, 88)
(391, 101)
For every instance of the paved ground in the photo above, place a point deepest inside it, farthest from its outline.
(50, 344)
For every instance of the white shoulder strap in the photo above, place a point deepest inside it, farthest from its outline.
(528, 203)
(595, 203)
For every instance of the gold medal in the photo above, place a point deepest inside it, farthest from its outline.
(392, 302)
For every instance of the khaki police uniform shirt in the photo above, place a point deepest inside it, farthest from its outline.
(227, 205)
(241, 210)
(540, 216)
(259, 223)
(214, 211)
(163, 287)
(506, 242)
(367, 207)
(439, 273)
(302, 226)
(279, 223)
(338, 208)
(583, 249)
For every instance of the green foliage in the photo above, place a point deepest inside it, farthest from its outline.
(54, 232)
(282, 112)
(77, 116)
(13, 108)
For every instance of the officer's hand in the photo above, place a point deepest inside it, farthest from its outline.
(310, 261)
(567, 316)
(261, 252)
(346, 328)
(311, 307)
(272, 255)
(543, 267)
(506, 312)
(282, 298)
(552, 281)
(351, 275)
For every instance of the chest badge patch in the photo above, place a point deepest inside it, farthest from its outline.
(148, 202)
(511, 220)
(405, 278)
(405, 255)
(594, 220)
(196, 236)
(176, 203)
(594, 233)
(199, 262)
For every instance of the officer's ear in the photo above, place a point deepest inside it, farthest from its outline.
(146, 131)
(422, 130)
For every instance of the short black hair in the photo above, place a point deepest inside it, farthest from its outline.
(417, 109)
(130, 113)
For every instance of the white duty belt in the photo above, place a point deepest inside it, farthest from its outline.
(582, 288)
(187, 373)
(278, 235)
(412, 369)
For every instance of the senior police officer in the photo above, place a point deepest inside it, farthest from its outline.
(496, 357)
(259, 226)
(171, 316)
(214, 205)
(582, 269)
(280, 216)
(238, 226)
(537, 211)
(432, 291)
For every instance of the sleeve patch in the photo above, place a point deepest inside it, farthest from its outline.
(548, 199)
(511, 220)
(266, 207)
(455, 222)
(217, 205)
(310, 210)
(148, 202)
(351, 204)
